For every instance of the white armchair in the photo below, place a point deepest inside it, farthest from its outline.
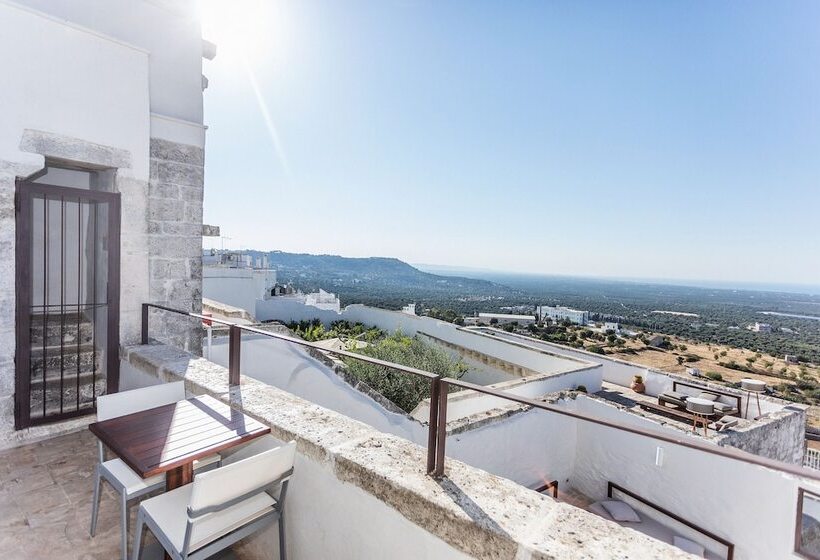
(220, 507)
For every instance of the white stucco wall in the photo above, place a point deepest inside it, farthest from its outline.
(238, 287)
(531, 447)
(72, 82)
(168, 29)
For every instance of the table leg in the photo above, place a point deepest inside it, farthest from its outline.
(180, 476)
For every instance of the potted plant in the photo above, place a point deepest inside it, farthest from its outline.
(637, 384)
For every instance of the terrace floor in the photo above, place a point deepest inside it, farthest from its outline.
(629, 399)
(45, 503)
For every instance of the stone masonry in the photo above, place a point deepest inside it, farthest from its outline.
(175, 240)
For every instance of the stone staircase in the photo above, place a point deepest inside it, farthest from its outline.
(67, 372)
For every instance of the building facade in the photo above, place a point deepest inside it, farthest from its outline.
(101, 183)
(560, 313)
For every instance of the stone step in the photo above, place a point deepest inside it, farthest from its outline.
(66, 362)
(69, 399)
(69, 379)
(57, 330)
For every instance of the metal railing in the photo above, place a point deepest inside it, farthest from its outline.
(691, 443)
(234, 362)
(440, 387)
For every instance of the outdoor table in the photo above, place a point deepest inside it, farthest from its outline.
(701, 410)
(168, 439)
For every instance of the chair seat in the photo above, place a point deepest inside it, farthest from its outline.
(134, 484)
(131, 482)
(169, 511)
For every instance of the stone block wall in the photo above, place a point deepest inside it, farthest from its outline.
(7, 304)
(175, 240)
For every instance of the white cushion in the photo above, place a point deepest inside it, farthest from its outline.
(170, 512)
(689, 546)
(599, 510)
(620, 511)
(133, 483)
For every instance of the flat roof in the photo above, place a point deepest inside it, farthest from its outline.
(507, 316)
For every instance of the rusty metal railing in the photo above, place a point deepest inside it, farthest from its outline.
(683, 441)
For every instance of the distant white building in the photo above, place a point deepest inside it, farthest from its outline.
(614, 327)
(561, 313)
(237, 286)
(410, 309)
(323, 300)
(502, 318)
(760, 327)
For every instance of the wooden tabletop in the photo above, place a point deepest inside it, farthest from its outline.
(160, 439)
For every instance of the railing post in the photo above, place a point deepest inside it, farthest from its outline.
(234, 348)
(441, 429)
(144, 323)
(432, 427)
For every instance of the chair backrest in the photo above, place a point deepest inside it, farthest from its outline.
(128, 402)
(224, 486)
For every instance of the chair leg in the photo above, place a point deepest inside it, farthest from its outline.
(138, 531)
(124, 528)
(283, 553)
(95, 505)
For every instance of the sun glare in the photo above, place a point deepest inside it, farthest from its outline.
(242, 29)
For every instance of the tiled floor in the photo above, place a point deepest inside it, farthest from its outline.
(45, 502)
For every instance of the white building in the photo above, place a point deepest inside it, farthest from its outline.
(237, 286)
(323, 300)
(410, 309)
(560, 313)
(614, 327)
(102, 117)
(760, 327)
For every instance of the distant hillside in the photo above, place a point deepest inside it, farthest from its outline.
(379, 280)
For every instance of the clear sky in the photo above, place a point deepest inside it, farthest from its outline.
(630, 139)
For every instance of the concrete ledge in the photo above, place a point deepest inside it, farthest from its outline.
(481, 515)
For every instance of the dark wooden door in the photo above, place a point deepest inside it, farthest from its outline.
(67, 283)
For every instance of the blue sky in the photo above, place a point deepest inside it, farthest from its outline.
(640, 139)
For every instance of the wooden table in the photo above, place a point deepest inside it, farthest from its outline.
(168, 439)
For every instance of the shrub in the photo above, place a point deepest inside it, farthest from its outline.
(714, 376)
(403, 389)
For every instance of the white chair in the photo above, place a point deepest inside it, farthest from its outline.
(220, 507)
(128, 484)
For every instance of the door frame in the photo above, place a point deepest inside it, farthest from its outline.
(23, 196)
